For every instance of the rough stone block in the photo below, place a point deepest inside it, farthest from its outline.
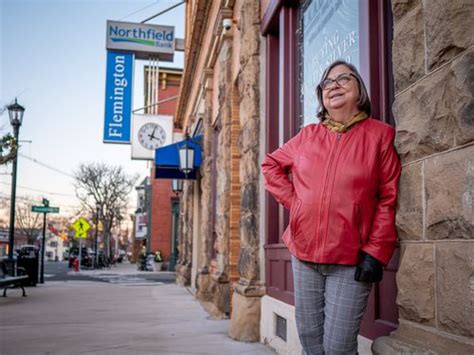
(249, 103)
(249, 263)
(454, 281)
(250, 288)
(249, 90)
(449, 181)
(183, 275)
(437, 113)
(249, 136)
(393, 346)
(410, 338)
(249, 167)
(245, 319)
(222, 297)
(410, 208)
(401, 7)
(415, 281)
(249, 197)
(204, 287)
(249, 235)
(249, 25)
(408, 50)
(449, 29)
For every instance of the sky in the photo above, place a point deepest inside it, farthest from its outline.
(53, 59)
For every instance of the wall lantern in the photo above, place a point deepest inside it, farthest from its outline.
(186, 157)
(177, 185)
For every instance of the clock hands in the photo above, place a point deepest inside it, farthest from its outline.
(152, 135)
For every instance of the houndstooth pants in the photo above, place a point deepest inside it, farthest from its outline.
(329, 307)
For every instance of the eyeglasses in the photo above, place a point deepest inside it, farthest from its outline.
(341, 80)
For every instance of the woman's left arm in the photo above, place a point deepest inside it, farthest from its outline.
(383, 236)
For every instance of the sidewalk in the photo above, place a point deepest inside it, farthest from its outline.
(85, 317)
(120, 269)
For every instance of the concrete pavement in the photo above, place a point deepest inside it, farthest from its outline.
(83, 317)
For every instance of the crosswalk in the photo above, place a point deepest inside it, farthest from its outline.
(128, 280)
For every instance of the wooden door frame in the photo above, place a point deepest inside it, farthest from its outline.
(279, 25)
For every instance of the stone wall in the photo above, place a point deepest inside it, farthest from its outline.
(204, 289)
(433, 61)
(245, 319)
(220, 265)
(185, 236)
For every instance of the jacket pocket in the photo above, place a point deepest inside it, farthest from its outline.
(294, 213)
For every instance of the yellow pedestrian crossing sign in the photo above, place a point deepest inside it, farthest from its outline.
(81, 226)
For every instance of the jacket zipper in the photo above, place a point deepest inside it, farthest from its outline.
(320, 236)
(359, 223)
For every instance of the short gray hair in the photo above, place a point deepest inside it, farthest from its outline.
(363, 103)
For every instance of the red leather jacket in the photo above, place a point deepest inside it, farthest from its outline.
(342, 192)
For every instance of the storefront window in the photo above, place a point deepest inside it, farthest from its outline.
(328, 30)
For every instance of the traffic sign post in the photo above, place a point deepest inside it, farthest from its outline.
(45, 209)
(81, 226)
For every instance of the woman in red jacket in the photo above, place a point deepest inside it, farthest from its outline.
(339, 179)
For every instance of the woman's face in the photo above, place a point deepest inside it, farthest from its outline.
(343, 95)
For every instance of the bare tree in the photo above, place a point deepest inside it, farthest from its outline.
(106, 187)
(27, 222)
(8, 148)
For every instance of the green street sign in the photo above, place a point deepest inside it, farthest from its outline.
(45, 202)
(44, 209)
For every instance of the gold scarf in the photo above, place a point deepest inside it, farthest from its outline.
(343, 127)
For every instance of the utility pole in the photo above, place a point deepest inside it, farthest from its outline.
(96, 241)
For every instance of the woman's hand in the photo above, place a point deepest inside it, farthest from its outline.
(369, 269)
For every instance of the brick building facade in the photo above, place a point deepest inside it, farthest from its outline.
(162, 197)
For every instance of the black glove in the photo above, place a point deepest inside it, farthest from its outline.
(369, 269)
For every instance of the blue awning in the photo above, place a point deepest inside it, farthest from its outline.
(167, 160)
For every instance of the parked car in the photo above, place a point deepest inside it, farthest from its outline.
(28, 250)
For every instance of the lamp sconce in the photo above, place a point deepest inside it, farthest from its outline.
(186, 157)
(177, 186)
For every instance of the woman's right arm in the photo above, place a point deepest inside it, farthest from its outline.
(275, 169)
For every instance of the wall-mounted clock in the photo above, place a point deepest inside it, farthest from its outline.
(151, 136)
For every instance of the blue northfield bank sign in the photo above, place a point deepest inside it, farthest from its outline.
(118, 97)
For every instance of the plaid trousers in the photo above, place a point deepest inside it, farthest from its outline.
(329, 306)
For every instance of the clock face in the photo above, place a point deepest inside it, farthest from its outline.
(151, 136)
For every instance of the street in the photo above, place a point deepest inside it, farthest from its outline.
(59, 271)
(116, 311)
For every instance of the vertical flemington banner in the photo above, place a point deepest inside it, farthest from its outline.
(118, 97)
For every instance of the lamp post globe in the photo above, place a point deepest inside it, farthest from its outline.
(15, 111)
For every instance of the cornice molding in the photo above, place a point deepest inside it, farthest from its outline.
(201, 14)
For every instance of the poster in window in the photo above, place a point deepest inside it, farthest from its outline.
(329, 30)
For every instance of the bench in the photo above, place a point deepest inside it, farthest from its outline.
(8, 281)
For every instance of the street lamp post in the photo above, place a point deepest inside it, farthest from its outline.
(15, 111)
(148, 208)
